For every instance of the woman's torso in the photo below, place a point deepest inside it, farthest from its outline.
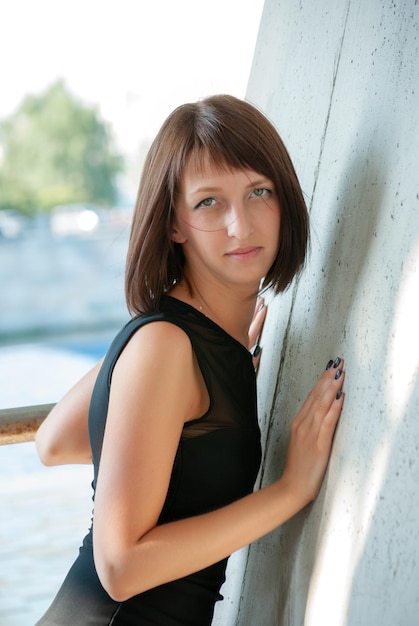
(217, 461)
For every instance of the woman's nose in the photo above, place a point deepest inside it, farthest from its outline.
(240, 223)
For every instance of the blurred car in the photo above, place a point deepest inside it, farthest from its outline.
(12, 224)
(74, 219)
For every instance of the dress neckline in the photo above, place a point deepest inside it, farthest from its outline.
(208, 320)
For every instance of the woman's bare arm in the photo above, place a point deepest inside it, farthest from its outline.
(63, 436)
(156, 386)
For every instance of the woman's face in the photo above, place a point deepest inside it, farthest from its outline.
(228, 222)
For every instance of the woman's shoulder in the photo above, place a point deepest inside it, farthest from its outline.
(165, 314)
(160, 335)
(159, 361)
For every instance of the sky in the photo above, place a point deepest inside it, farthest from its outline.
(136, 60)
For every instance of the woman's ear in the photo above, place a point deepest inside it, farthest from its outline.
(177, 235)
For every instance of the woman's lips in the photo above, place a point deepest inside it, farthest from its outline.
(249, 252)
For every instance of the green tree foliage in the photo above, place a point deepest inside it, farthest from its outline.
(55, 150)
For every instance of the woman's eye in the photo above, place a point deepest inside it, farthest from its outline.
(205, 203)
(261, 192)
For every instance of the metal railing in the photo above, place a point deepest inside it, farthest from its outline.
(20, 424)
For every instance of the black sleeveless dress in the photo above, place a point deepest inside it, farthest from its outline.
(217, 462)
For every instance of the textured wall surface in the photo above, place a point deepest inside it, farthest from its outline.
(341, 82)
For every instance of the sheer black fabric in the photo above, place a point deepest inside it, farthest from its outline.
(217, 461)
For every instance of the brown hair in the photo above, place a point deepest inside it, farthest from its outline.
(229, 132)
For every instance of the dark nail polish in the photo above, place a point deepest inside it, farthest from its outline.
(336, 362)
(339, 393)
(256, 350)
(329, 365)
(338, 374)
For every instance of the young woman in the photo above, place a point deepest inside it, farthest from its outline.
(169, 417)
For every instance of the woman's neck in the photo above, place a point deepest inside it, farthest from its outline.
(233, 312)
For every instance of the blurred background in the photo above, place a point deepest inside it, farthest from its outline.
(84, 88)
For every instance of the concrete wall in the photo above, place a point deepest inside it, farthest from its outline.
(341, 81)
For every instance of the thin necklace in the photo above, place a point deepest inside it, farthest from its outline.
(207, 311)
(199, 302)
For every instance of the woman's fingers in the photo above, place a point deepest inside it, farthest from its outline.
(329, 423)
(255, 331)
(327, 413)
(257, 322)
(324, 393)
(313, 429)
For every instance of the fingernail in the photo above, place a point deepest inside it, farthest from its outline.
(336, 362)
(329, 365)
(338, 374)
(261, 307)
(256, 350)
(339, 393)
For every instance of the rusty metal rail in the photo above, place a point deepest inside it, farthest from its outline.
(20, 424)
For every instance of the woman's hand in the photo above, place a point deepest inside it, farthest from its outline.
(255, 331)
(312, 433)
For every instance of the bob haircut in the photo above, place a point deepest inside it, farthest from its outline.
(228, 133)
